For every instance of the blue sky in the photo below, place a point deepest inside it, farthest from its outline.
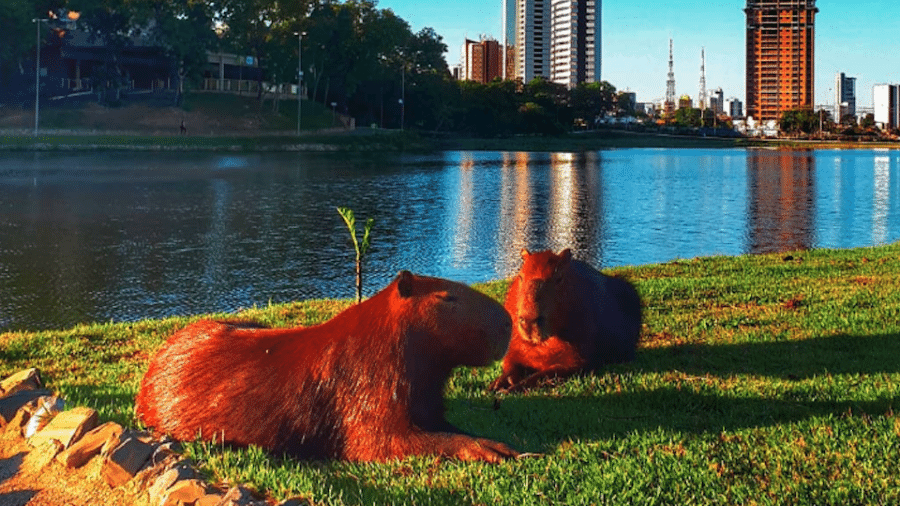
(859, 38)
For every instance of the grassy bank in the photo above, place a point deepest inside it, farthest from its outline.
(760, 380)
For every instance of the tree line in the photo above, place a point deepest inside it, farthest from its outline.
(365, 60)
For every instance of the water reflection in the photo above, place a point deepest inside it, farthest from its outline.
(881, 198)
(782, 200)
(110, 236)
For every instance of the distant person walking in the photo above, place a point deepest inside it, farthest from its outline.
(183, 128)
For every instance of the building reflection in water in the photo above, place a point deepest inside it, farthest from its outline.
(781, 209)
(463, 238)
(881, 199)
(553, 204)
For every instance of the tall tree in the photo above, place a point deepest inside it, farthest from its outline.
(184, 29)
(18, 37)
(594, 100)
(111, 24)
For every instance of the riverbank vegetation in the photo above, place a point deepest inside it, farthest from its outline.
(769, 379)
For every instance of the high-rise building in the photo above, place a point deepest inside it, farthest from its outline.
(844, 96)
(780, 56)
(886, 105)
(574, 41)
(509, 37)
(558, 40)
(482, 61)
(717, 100)
(734, 107)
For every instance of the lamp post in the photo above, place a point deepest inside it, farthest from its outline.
(403, 98)
(37, 77)
(299, 76)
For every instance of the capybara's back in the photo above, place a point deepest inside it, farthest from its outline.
(567, 317)
(365, 385)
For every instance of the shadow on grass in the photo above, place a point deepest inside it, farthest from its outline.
(787, 360)
(696, 401)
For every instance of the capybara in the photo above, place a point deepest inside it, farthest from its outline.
(567, 318)
(366, 385)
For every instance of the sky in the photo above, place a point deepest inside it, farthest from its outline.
(858, 38)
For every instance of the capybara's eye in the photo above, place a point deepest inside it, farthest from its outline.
(445, 297)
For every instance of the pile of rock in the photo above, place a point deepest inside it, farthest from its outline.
(72, 438)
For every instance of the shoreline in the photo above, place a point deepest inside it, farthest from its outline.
(494, 287)
(390, 140)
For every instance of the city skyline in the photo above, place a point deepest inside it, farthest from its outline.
(849, 39)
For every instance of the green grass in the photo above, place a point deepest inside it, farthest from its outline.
(759, 380)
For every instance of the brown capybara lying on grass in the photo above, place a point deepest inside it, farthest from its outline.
(567, 318)
(366, 385)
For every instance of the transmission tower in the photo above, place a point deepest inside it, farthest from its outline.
(669, 106)
(702, 95)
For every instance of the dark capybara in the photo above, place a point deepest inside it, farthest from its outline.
(567, 317)
(366, 385)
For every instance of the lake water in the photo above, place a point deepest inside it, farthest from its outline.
(129, 236)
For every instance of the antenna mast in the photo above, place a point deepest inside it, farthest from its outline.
(669, 106)
(702, 95)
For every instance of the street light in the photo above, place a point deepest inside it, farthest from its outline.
(37, 77)
(299, 76)
(403, 97)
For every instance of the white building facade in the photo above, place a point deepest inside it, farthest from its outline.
(886, 105)
(559, 40)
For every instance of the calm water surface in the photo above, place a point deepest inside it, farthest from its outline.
(129, 236)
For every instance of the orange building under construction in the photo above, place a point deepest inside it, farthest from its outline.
(780, 56)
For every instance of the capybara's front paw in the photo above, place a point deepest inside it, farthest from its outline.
(485, 450)
(500, 384)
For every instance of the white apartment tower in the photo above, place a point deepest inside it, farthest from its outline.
(557, 39)
(886, 105)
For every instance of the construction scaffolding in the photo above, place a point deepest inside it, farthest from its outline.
(780, 56)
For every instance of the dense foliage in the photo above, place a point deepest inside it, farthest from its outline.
(361, 60)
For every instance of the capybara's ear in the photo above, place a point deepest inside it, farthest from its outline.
(405, 283)
(524, 253)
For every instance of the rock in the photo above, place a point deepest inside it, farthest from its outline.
(47, 408)
(164, 451)
(125, 460)
(29, 379)
(12, 403)
(79, 453)
(42, 455)
(16, 427)
(184, 492)
(209, 500)
(67, 427)
(178, 472)
(237, 496)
